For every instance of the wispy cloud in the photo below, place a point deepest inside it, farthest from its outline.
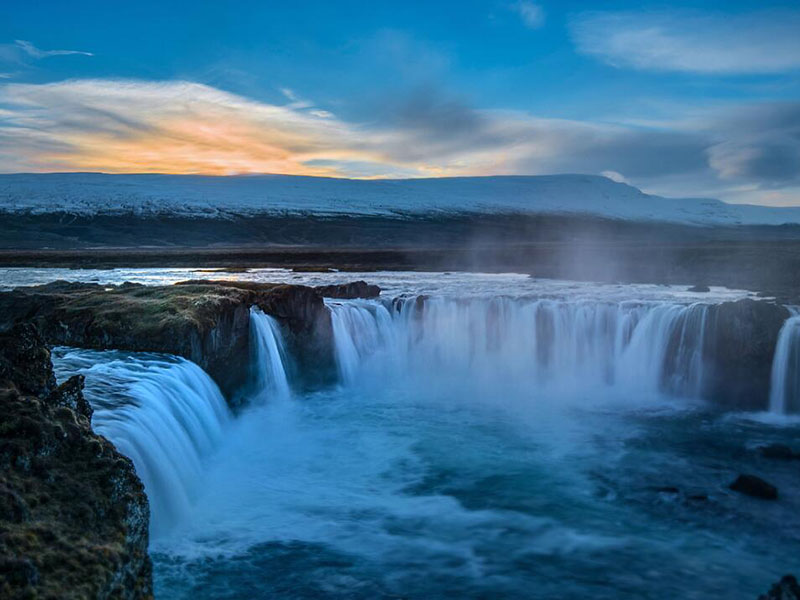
(532, 14)
(35, 52)
(185, 127)
(710, 43)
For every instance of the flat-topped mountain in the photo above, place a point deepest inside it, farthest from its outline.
(247, 195)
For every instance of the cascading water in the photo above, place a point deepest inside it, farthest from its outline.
(269, 357)
(163, 412)
(785, 384)
(559, 344)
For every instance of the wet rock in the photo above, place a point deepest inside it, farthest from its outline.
(786, 589)
(699, 289)
(754, 486)
(73, 514)
(778, 451)
(355, 289)
(739, 347)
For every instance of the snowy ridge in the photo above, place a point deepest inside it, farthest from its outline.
(248, 195)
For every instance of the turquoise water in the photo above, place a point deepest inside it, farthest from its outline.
(397, 494)
(489, 448)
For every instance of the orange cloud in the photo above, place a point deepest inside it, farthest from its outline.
(177, 127)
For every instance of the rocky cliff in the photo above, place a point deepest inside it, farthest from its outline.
(738, 352)
(207, 322)
(73, 514)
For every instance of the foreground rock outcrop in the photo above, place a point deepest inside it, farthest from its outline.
(73, 514)
(207, 322)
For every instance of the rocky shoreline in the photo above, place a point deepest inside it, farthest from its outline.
(74, 516)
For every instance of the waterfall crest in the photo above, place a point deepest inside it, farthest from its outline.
(645, 347)
(163, 412)
(269, 357)
(785, 384)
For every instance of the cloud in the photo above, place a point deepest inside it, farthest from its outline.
(184, 127)
(762, 146)
(532, 15)
(695, 42)
(614, 176)
(35, 52)
(322, 114)
(130, 126)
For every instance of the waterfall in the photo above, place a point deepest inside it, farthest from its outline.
(569, 345)
(163, 412)
(785, 385)
(360, 330)
(269, 357)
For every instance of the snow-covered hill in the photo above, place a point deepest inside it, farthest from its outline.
(202, 196)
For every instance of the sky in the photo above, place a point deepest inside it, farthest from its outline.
(680, 99)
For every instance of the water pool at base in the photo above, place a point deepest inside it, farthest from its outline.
(465, 454)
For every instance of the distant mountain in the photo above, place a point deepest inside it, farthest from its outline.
(248, 195)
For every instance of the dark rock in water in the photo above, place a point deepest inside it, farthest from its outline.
(697, 498)
(752, 485)
(786, 589)
(778, 451)
(740, 340)
(312, 269)
(73, 514)
(356, 289)
(699, 289)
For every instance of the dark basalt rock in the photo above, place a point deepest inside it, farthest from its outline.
(70, 394)
(778, 451)
(786, 589)
(699, 289)
(754, 486)
(73, 514)
(25, 359)
(355, 289)
(206, 321)
(740, 340)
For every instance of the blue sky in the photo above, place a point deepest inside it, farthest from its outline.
(682, 98)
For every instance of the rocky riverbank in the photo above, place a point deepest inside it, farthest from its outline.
(73, 514)
(207, 322)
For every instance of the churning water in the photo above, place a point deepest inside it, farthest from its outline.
(479, 447)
